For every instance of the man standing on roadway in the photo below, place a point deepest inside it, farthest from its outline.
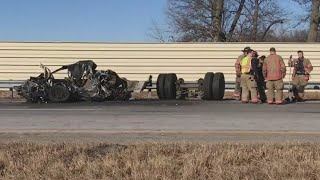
(300, 76)
(260, 79)
(249, 66)
(274, 71)
(237, 90)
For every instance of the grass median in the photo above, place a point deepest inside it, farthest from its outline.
(159, 161)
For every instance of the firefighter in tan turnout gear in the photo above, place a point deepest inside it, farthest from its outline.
(274, 71)
(301, 74)
(237, 90)
(249, 66)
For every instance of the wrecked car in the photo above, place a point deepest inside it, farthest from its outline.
(83, 83)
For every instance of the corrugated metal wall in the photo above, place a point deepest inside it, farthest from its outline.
(19, 61)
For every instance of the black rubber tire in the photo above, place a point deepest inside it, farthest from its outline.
(160, 86)
(207, 86)
(170, 86)
(58, 93)
(218, 86)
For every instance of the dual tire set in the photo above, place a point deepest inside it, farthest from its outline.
(166, 86)
(212, 87)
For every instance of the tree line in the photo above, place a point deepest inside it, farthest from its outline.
(240, 21)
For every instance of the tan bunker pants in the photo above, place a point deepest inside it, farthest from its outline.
(273, 85)
(237, 89)
(298, 85)
(249, 85)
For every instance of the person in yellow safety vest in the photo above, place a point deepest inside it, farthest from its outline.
(237, 65)
(249, 86)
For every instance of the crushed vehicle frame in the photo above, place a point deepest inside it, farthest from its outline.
(84, 83)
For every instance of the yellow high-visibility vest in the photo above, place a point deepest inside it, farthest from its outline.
(246, 65)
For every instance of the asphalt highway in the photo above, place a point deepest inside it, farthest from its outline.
(172, 120)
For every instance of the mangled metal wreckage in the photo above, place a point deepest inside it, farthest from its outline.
(84, 83)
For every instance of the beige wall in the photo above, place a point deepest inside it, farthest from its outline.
(190, 61)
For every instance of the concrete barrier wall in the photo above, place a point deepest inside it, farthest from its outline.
(136, 61)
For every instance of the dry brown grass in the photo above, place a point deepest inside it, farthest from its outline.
(159, 161)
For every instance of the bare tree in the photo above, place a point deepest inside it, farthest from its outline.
(314, 21)
(191, 20)
(236, 19)
(224, 20)
(160, 33)
(204, 20)
(269, 27)
(217, 11)
(255, 20)
(156, 32)
(312, 16)
(262, 17)
(295, 36)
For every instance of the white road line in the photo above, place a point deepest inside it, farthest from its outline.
(49, 109)
(184, 115)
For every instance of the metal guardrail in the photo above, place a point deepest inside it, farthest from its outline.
(229, 85)
(9, 84)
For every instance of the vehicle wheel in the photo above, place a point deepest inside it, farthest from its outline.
(218, 86)
(58, 93)
(160, 86)
(170, 86)
(207, 86)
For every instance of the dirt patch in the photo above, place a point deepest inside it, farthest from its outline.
(159, 161)
(6, 94)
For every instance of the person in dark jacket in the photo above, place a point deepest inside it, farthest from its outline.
(259, 77)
